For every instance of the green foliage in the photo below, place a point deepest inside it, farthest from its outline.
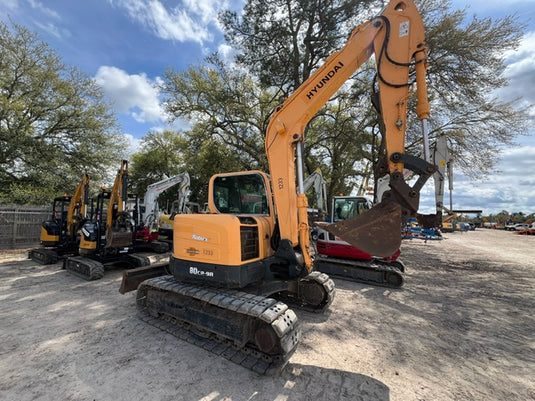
(224, 105)
(160, 157)
(281, 42)
(169, 153)
(54, 123)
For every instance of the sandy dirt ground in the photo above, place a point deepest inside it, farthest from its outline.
(461, 328)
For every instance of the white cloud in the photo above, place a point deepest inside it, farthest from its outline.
(133, 94)
(133, 144)
(226, 52)
(53, 29)
(45, 10)
(521, 72)
(189, 21)
(206, 9)
(10, 5)
(511, 189)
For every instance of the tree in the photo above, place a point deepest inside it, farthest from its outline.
(283, 41)
(54, 123)
(160, 157)
(225, 106)
(169, 153)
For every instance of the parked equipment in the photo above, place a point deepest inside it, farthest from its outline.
(162, 223)
(107, 239)
(60, 235)
(444, 165)
(340, 259)
(155, 223)
(235, 270)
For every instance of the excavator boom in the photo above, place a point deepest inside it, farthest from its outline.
(154, 190)
(78, 204)
(397, 39)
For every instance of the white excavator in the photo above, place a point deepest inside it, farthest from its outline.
(156, 223)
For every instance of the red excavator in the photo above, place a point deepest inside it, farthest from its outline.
(338, 258)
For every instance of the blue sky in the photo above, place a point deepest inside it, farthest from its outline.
(126, 45)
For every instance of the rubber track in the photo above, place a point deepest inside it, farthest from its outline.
(43, 256)
(371, 271)
(85, 268)
(269, 310)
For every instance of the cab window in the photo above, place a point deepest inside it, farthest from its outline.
(347, 208)
(240, 194)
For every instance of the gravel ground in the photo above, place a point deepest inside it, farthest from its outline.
(461, 328)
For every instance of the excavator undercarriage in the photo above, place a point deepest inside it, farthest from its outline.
(257, 332)
(249, 326)
(375, 271)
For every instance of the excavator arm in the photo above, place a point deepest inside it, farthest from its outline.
(316, 181)
(118, 226)
(397, 39)
(154, 190)
(78, 205)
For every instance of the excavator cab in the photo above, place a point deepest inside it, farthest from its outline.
(348, 206)
(239, 194)
(95, 241)
(230, 246)
(54, 229)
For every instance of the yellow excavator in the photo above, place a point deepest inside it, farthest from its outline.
(108, 238)
(234, 272)
(60, 234)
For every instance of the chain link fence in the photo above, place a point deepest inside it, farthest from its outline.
(20, 226)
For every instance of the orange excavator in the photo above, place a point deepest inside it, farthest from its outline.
(235, 272)
(60, 234)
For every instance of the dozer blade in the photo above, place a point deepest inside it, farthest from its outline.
(132, 278)
(377, 231)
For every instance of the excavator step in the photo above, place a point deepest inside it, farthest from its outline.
(251, 330)
(369, 272)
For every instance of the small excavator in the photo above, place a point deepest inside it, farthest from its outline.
(317, 182)
(108, 238)
(152, 220)
(234, 273)
(60, 234)
(336, 257)
(340, 259)
(163, 222)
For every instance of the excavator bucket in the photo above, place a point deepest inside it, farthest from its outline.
(377, 231)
